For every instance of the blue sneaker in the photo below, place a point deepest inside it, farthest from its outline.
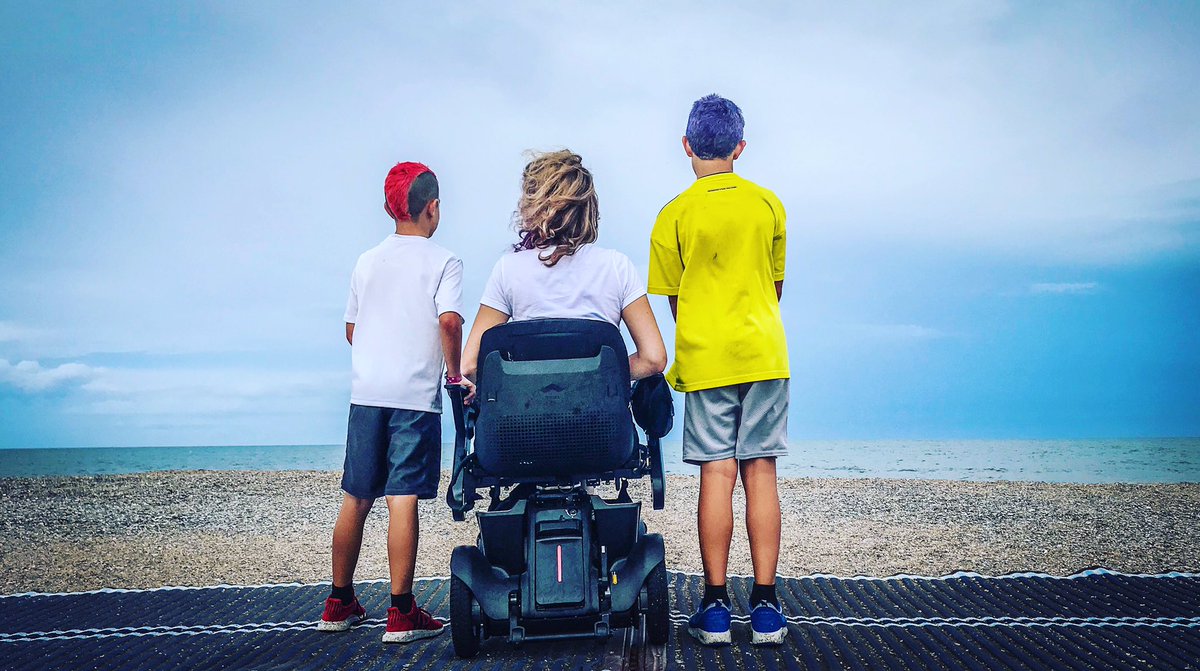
(768, 626)
(710, 625)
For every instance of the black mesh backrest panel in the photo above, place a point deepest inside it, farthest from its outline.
(545, 339)
(554, 399)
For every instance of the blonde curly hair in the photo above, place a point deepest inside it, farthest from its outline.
(558, 211)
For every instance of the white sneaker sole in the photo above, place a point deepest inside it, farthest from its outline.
(711, 638)
(769, 638)
(410, 636)
(344, 625)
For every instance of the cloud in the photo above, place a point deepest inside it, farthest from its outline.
(11, 332)
(181, 391)
(30, 376)
(232, 170)
(210, 392)
(975, 126)
(1040, 288)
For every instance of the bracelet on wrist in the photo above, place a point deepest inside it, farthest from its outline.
(456, 379)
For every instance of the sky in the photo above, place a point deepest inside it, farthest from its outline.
(993, 207)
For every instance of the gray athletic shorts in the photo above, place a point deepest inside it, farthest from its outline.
(742, 421)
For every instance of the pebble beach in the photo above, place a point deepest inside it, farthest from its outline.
(248, 527)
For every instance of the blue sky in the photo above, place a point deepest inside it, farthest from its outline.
(994, 208)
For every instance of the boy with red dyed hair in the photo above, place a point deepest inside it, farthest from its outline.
(403, 320)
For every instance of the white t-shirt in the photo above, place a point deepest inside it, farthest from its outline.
(593, 283)
(397, 291)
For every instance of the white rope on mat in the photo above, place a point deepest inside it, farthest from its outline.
(676, 616)
(899, 576)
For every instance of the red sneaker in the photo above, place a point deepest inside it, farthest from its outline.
(339, 616)
(411, 626)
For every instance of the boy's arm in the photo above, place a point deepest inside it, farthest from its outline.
(779, 246)
(666, 257)
(351, 315)
(674, 301)
(450, 324)
(448, 303)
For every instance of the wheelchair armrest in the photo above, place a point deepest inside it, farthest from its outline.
(658, 479)
(459, 495)
(464, 416)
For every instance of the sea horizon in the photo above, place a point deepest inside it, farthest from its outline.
(790, 440)
(1087, 461)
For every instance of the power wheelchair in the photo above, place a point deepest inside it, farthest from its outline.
(550, 423)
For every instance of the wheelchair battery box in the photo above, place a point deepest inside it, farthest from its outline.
(561, 563)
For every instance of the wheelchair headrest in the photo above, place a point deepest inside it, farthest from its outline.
(553, 339)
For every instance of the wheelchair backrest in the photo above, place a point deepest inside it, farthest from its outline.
(553, 399)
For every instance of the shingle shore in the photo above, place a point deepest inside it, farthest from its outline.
(234, 527)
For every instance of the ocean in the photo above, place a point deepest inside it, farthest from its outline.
(1080, 461)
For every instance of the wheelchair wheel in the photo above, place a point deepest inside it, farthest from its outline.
(658, 613)
(465, 628)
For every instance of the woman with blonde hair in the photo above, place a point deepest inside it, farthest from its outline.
(555, 270)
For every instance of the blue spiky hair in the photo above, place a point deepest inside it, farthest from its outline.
(714, 127)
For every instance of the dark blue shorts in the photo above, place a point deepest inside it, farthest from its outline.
(391, 452)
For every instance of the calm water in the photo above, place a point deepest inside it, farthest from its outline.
(1116, 460)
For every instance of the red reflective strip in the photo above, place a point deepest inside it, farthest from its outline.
(560, 563)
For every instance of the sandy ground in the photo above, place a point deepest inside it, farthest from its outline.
(206, 527)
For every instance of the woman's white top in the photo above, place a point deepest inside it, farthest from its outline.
(593, 283)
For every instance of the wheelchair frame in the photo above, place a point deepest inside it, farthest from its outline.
(552, 560)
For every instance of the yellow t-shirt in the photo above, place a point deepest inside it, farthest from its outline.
(720, 246)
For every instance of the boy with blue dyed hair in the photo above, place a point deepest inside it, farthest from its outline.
(717, 252)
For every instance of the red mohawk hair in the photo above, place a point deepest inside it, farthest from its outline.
(396, 185)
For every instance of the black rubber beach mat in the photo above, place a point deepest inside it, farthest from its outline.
(1094, 620)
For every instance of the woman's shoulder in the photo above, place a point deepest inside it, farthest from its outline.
(617, 260)
(603, 254)
(518, 261)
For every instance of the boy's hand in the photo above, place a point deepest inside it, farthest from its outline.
(470, 387)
